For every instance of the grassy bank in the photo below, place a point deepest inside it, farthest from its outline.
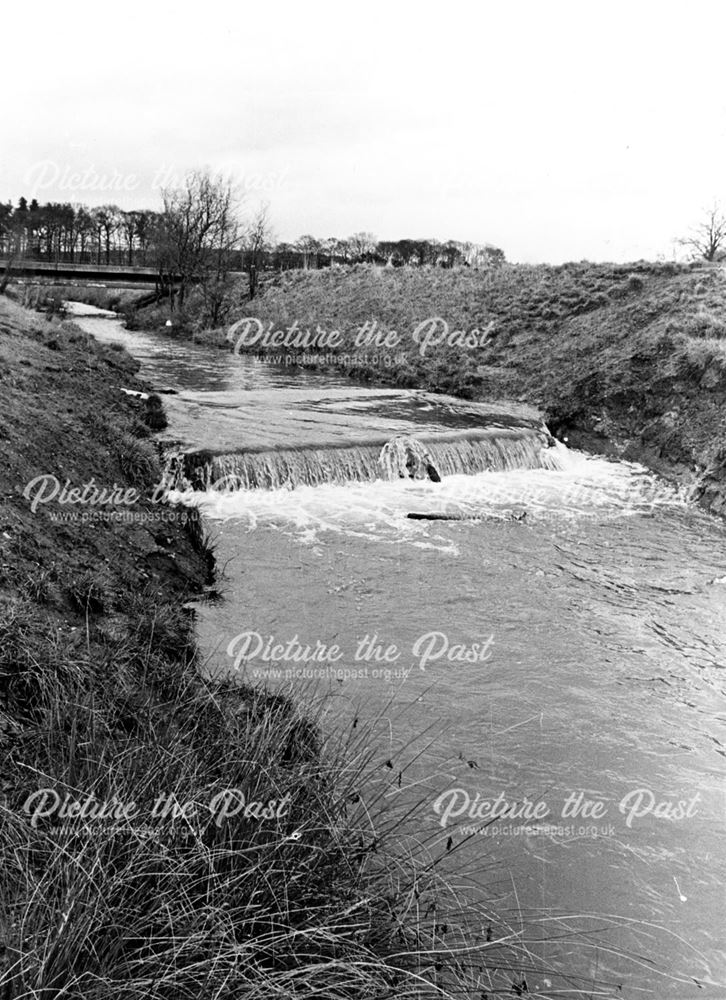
(48, 297)
(188, 320)
(136, 869)
(629, 360)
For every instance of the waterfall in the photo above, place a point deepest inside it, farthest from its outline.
(173, 474)
(404, 457)
(450, 453)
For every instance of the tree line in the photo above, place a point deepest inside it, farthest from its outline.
(201, 240)
(73, 233)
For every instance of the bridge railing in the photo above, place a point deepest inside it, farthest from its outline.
(98, 258)
(61, 267)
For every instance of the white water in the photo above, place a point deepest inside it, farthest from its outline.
(582, 487)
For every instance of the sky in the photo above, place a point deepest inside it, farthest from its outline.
(554, 130)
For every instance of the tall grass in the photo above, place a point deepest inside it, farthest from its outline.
(514, 299)
(333, 898)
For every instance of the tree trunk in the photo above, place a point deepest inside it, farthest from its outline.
(4, 281)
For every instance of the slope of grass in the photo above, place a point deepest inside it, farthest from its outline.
(506, 301)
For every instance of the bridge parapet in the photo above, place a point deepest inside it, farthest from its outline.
(97, 272)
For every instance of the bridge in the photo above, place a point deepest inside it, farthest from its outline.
(65, 271)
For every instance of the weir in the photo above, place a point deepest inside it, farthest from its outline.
(456, 452)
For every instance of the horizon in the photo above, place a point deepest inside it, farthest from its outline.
(400, 123)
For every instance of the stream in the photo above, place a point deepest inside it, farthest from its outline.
(559, 639)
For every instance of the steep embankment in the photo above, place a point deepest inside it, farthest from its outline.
(629, 360)
(65, 419)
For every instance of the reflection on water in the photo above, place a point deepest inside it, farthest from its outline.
(594, 596)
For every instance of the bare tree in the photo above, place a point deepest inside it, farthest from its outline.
(708, 238)
(362, 246)
(146, 222)
(309, 247)
(129, 227)
(339, 249)
(85, 227)
(107, 219)
(256, 241)
(196, 235)
(11, 242)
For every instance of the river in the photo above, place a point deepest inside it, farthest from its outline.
(560, 641)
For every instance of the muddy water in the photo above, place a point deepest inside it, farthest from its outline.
(560, 643)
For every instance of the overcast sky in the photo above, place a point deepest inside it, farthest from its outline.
(558, 131)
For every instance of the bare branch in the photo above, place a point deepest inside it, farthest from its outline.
(708, 238)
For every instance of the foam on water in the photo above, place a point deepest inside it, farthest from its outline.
(452, 452)
(581, 487)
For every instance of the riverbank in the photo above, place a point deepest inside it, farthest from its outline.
(628, 360)
(165, 835)
(49, 296)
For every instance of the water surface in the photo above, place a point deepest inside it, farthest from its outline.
(594, 596)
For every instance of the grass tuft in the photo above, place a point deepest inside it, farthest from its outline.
(305, 887)
(154, 416)
(138, 460)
